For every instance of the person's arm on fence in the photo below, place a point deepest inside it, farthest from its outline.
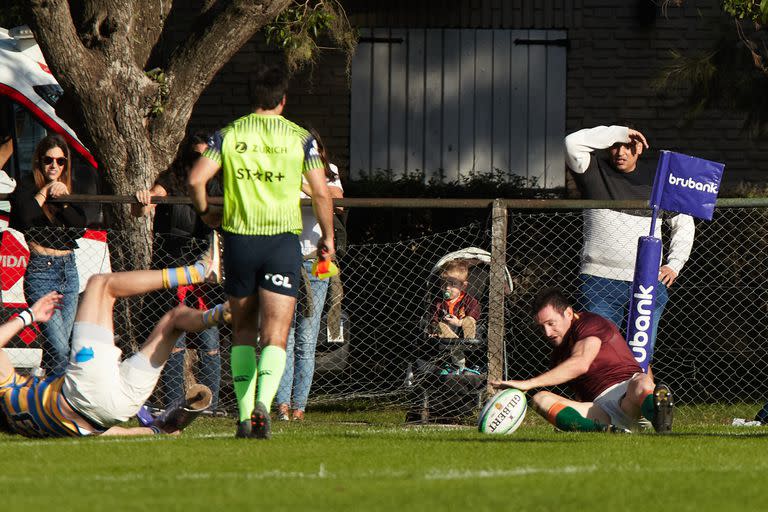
(144, 206)
(72, 215)
(199, 176)
(580, 145)
(682, 231)
(583, 354)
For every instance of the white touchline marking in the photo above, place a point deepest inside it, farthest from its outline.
(464, 474)
(372, 474)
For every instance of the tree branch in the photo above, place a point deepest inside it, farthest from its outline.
(197, 60)
(68, 65)
(148, 25)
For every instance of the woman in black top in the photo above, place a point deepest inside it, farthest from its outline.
(51, 231)
(179, 235)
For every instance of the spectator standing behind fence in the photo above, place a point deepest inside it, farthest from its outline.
(456, 313)
(590, 355)
(302, 338)
(178, 230)
(264, 157)
(610, 236)
(51, 231)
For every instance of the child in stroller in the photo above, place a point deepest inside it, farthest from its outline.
(446, 380)
(456, 312)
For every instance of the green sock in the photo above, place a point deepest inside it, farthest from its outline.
(271, 366)
(647, 408)
(244, 378)
(569, 420)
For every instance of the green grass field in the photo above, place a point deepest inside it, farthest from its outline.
(371, 461)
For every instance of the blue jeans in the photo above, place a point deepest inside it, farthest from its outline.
(763, 414)
(609, 298)
(300, 350)
(209, 371)
(45, 274)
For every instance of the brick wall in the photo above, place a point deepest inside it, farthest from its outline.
(618, 48)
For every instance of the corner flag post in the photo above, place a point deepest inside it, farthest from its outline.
(682, 184)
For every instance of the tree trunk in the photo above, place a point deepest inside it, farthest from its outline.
(99, 51)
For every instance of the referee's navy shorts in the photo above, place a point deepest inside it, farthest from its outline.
(272, 262)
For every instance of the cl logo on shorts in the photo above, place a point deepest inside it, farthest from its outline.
(279, 280)
(241, 147)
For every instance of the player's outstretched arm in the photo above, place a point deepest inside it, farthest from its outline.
(583, 353)
(41, 311)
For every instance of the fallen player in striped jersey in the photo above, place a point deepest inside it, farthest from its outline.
(98, 390)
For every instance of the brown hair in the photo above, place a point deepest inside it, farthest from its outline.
(179, 169)
(550, 297)
(329, 174)
(458, 269)
(49, 142)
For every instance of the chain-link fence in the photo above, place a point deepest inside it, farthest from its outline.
(383, 343)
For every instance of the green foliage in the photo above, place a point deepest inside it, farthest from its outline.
(298, 29)
(724, 77)
(156, 104)
(491, 184)
(754, 10)
(746, 189)
(400, 223)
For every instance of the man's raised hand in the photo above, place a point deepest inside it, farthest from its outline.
(636, 136)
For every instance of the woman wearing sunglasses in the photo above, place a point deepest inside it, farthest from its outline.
(51, 230)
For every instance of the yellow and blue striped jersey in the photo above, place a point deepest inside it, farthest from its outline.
(32, 407)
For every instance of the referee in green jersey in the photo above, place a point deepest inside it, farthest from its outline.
(264, 157)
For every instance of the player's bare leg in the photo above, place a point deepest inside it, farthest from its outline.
(639, 386)
(102, 290)
(569, 415)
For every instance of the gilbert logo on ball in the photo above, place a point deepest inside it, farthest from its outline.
(503, 413)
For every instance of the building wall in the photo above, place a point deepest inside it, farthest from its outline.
(617, 50)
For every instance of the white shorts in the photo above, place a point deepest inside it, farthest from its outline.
(98, 385)
(610, 402)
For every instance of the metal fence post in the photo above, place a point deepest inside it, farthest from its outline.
(496, 291)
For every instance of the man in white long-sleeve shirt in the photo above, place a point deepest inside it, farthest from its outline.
(610, 236)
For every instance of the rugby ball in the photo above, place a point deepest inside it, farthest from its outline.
(503, 413)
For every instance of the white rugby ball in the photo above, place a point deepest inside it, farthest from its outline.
(503, 413)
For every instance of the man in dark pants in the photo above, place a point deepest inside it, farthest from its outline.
(264, 157)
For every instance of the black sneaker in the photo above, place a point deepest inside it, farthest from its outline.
(243, 429)
(260, 422)
(662, 407)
